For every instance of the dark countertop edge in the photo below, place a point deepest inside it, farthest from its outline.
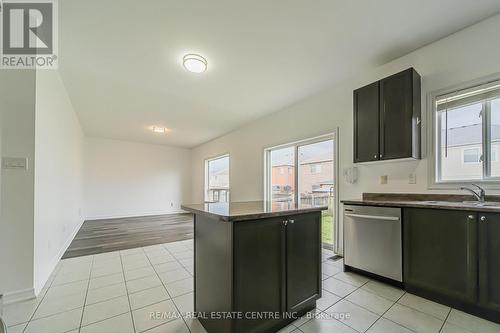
(253, 216)
(420, 204)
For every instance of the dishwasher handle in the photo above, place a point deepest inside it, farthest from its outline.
(374, 217)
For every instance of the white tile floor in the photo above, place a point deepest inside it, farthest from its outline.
(117, 292)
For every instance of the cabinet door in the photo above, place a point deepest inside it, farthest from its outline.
(489, 262)
(258, 261)
(303, 260)
(397, 116)
(366, 123)
(440, 254)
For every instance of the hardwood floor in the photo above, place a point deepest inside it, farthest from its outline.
(98, 236)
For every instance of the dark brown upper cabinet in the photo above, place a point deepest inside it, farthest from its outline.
(387, 118)
(366, 122)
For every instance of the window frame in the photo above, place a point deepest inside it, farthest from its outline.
(267, 184)
(433, 137)
(207, 178)
(295, 145)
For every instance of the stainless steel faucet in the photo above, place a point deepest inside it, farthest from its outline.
(479, 195)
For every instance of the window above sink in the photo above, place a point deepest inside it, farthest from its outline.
(466, 134)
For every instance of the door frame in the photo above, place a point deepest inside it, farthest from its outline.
(334, 135)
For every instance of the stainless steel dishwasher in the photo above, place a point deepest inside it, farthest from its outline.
(372, 240)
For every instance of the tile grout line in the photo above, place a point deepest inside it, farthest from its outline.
(340, 299)
(382, 316)
(126, 290)
(358, 288)
(394, 303)
(345, 299)
(445, 319)
(92, 261)
(86, 294)
(127, 296)
(43, 297)
(165, 287)
(192, 277)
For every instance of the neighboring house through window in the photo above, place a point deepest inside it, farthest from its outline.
(315, 168)
(472, 155)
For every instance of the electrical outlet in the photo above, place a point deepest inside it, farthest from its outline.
(412, 178)
(383, 180)
(171, 204)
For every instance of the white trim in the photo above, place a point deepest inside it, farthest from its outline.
(53, 263)
(19, 296)
(337, 235)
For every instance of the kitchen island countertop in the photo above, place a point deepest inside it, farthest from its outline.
(249, 210)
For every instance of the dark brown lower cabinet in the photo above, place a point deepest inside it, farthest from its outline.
(303, 278)
(262, 269)
(453, 257)
(440, 254)
(489, 263)
(258, 272)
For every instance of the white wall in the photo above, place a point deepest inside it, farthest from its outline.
(133, 179)
(58, 174)
(17, 105)
(466, 55)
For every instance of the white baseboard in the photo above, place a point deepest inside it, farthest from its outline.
(53, 263)
(19, 296)
(119, 216)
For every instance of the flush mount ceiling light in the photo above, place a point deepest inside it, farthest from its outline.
(159, 129)
(194, 63)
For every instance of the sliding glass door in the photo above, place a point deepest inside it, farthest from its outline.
(304, 172)
(316, 185)
(282, 168)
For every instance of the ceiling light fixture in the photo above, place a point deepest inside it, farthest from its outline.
(194, 63)
(158, 129)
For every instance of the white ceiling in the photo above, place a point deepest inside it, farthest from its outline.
(121, 60)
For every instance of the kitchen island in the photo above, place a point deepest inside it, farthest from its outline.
(257, 264)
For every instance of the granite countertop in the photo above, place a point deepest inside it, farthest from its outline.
(249, 210)
(436, 201)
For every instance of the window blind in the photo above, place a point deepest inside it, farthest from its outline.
(461, 98)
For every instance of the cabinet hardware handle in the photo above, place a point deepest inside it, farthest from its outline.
(374, 217)
(292, 221)
(418, 120)
(483, 218)
(381, 155)
(471, 217)
(285, 222)
(374, 156)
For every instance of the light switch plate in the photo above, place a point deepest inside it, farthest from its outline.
(16, 163)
